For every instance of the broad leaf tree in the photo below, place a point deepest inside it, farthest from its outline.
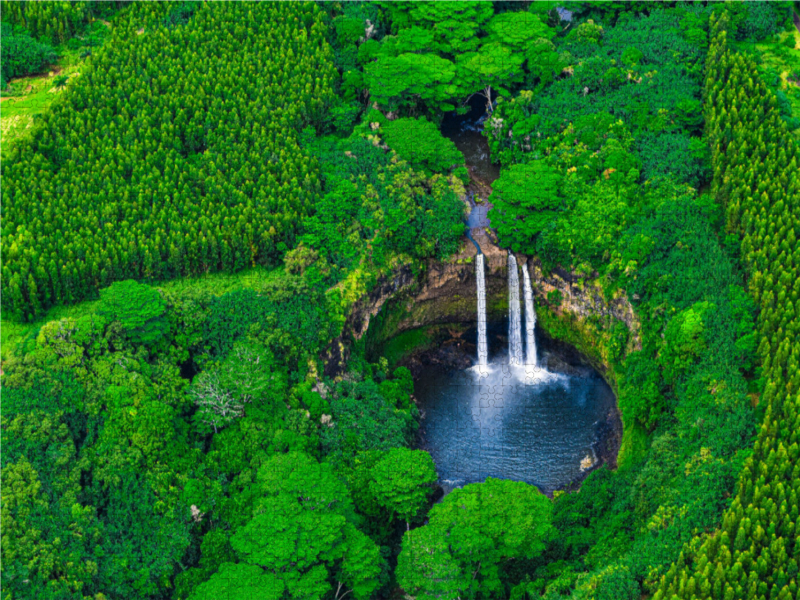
(469, 536)
(402, 481)
(526, 199)
(302, 536)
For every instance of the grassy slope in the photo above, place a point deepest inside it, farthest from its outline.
(33, 95)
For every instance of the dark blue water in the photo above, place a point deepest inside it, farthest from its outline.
(535, 426)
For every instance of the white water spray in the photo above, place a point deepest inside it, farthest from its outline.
(530, 320)
(483, 353)
(514, 325)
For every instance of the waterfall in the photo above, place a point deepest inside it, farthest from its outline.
(530, 319)
(483, 353)
(514, 326)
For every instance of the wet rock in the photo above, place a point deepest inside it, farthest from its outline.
(557, 364)
(451, 355)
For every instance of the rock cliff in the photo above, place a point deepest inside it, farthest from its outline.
(570, 307)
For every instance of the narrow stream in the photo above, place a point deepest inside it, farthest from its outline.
(465, 131)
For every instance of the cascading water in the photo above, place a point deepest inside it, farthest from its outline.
(483, 352)
(514, 325)
(530, 320)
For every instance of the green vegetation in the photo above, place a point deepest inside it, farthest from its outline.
(470, 535)
(753, 552)
(192, 225)
(22, 55)
(142, 159)
(58, 22)
(596, 167)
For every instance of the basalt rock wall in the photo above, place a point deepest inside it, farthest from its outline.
(445, 293)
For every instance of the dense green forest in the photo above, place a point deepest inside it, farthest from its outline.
(176, 437)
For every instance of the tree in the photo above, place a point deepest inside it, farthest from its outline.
(526, 200)
(402, 481)
(141, 547)
(427, 568)
(407, 79)
(421, 143)
(683, 340)
(491, 70)
(455, 25)
(469, 535)
(137, 307)
(302, 536)
(544, 61)
(518, 29)
(239, 581)
(248, 374)
(363, 419)
(22, 55)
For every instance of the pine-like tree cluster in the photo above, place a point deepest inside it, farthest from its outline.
(176, 153)
(755, 553)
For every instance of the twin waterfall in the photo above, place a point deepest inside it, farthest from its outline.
(515, 354)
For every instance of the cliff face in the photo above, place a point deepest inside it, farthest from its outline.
(583, 299)
(574, 309)
(445, 293)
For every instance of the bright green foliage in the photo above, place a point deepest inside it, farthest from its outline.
(753, 552)
(427, 566)
(526, 200)
(408, 80)
(302, 534)
(589, 32)
(518, 30)
(402, 481)
(683, 340)
(470, 535)
(187, 167)
(455, 25)
(493, 69)
(445, 52)
(420, 143)
(138, 308)
(238, 581)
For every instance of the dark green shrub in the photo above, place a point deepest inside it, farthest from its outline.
(21, 54)
(137, 307)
